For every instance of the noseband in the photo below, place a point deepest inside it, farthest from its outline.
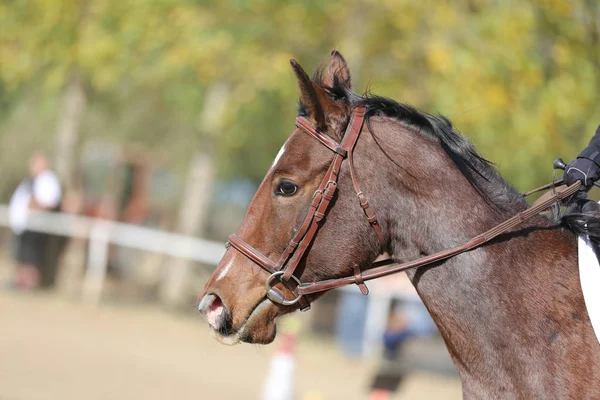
(283, 269)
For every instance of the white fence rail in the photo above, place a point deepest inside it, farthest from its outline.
(101, 233)
(127, 235)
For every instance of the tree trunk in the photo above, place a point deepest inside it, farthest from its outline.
(69, 123)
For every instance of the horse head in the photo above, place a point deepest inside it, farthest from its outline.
(235, 301)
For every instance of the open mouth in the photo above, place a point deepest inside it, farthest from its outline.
(232, 338)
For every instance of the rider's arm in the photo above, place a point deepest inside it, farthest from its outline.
(586, 168)
(592, 151)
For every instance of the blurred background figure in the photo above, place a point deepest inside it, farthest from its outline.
(40, 190)
(408, 320)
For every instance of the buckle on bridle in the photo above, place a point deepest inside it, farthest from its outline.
(317, 193)
(274, 295)
(329, 184)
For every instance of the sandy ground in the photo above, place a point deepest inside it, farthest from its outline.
(51, 348)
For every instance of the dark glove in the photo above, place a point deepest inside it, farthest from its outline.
(581, 169)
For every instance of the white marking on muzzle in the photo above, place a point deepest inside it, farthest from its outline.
(226, 269)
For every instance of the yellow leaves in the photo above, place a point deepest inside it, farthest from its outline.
(295, 11)
(505, 71)
(97, 47)
(562, 54)
(55, 78)
(445, 15)
(190, 16)
(406, 19)
(438, 57)
(532, 77)
(496, 97)
(513, 25)
(395, 6)
(561, 8)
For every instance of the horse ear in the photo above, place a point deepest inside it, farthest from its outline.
(309, 97)
(337, 71)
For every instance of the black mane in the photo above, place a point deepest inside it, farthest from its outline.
(480, 173)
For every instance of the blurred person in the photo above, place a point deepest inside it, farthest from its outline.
(409, 319)
(41, 190)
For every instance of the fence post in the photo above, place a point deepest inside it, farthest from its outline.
(97, 262)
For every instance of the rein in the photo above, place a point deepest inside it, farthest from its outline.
(283, 269)
(386, 267)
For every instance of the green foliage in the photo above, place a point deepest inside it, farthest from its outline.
(520, 78)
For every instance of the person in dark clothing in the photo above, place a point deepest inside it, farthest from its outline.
(41, 190)
(586, 167)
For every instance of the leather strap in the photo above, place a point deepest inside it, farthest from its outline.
(547, 186)
(307, 127)
(360, 281)
(561, 193)
(259, 258)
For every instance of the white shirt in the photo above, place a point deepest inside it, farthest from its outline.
(45, 190)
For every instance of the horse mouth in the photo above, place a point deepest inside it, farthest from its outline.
(244, 333)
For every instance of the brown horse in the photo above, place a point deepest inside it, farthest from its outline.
(511, 311)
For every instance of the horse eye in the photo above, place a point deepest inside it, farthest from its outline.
(286, 188)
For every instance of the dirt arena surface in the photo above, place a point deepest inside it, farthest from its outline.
(51, 348)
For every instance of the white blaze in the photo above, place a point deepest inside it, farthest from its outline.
(278, 156)
(225, 270)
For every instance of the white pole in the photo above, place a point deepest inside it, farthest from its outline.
(279, 383)
(97, 262)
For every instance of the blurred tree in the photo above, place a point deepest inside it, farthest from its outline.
(520, 78)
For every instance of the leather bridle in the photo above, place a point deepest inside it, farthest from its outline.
(283, 270)
(319, 206)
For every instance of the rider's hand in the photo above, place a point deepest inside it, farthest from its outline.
(581, 169)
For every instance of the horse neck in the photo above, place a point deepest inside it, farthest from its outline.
(495, 304)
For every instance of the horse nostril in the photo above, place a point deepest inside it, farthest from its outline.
(215, 312)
